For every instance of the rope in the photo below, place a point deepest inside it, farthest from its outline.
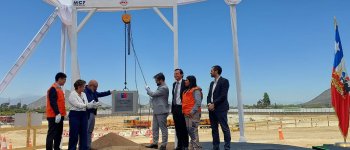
(137, 90)
(137, 59)
(143, 75)
(129, 37)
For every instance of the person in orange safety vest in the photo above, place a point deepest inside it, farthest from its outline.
(191, 108)
(55, 112)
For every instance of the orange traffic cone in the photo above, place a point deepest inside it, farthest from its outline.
(3, 144)
(10, 144)
(280, 133)
(30, 144)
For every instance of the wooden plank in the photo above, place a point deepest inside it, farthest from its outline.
(28, 128)
(36, 147)
(34, 137)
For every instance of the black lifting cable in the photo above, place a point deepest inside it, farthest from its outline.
(127, 32)
(125, 57)
(128, 44)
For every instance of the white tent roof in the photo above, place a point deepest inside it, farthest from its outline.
(115, 5)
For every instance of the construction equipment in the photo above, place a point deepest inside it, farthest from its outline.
(6, 119)
(137, 124)
(170, 123)
(204, 123)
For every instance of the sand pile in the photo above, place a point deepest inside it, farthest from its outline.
(111, 140)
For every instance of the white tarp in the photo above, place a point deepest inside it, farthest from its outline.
(64, 9)
(65, 13)
(21, 119)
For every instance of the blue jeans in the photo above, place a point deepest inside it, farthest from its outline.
(78, 130)
(91, 126)
(217, 118)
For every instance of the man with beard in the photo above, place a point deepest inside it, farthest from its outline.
(159, 101)
(218, 107)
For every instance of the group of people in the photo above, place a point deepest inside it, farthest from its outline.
(84, 103)
(186, 109)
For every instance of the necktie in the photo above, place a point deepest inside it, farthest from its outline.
(175, 92)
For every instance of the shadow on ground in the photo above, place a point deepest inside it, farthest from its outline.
(245, 146)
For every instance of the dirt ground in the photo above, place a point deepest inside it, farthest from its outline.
(298, 130)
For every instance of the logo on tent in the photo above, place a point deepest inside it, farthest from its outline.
(124, 2)
(79, 3)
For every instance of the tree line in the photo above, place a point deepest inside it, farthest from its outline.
(8, 110)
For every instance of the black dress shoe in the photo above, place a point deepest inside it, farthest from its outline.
(162, 147)
(155, 146)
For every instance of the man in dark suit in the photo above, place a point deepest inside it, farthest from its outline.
(176, 110)
(218, 107)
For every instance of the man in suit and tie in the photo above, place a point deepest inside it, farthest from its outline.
(159, 101)
(176, 110)
(218, 107)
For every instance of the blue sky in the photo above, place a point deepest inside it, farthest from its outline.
(286, 47)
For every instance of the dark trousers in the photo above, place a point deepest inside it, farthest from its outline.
(180, 126)
(54, 134)
(217, 118)
(78, 122)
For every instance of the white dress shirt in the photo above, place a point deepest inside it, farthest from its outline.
(78, 103)
(178, 94)
(214, 86)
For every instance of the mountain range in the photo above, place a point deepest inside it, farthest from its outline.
(105, 101)
(41, 102)
(322, 100)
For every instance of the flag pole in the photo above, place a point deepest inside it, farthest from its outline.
(339, 48)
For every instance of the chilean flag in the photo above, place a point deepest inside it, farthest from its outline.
(340, 86)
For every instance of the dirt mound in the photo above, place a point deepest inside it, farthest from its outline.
(111, 139)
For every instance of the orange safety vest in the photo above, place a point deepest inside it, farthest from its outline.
(188, 101)
(60, 102)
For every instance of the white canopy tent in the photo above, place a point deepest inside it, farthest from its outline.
(68, 10)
